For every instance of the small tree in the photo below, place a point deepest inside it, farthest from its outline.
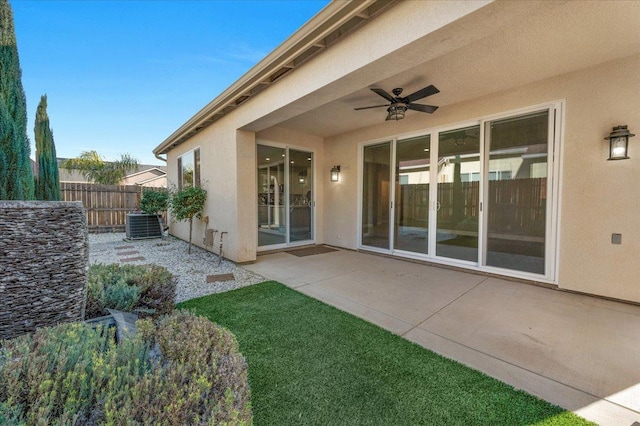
(156, 202)
(97, 170)
(16, 175)
(187, 203)
(47, 180)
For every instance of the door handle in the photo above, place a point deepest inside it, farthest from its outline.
(437, 206)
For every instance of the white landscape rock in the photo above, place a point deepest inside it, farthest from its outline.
(191, 270)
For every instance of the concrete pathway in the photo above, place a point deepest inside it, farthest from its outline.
(579, 352)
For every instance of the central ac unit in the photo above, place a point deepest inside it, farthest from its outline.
(141, 225)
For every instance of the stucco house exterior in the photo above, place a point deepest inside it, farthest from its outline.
(508, 176)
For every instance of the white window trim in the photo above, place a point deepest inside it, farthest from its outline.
(314, 215)
(179, 163)
(556, 129)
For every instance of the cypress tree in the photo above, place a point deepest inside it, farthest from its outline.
(16, 176)
(47, 179)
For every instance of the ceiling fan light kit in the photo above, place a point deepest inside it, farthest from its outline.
(398, 106)
(396, 112)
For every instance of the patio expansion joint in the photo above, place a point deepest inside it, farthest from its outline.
(526, 369)
(326, 279)
(356, 302)
(445, 306)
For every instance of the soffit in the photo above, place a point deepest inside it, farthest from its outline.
(564, 38)
(329, 26)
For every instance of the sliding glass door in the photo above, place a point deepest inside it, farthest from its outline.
(300, 195)
(517, 192)
(285, 196)
(477, 196)
(411, 224)
(458, 193)
(376, 195)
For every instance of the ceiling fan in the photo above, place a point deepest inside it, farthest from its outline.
(399, 105)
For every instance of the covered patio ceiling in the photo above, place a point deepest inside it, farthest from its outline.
(559, 37)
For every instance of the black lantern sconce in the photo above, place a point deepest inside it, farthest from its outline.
(335, 174)
(619, 143)
(302, 176)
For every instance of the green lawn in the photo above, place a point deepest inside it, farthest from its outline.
(310, 363)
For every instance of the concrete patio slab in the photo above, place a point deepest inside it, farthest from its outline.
(402, 294)
(395, 325)
(579, 340)
(576, 351)
(286, 268)
(589, 406)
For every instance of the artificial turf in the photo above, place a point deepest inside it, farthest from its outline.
(310, 363)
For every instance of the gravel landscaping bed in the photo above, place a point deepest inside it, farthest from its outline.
(191, 270)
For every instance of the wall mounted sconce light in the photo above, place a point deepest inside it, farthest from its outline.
(335, 174)
(619, 143)
(302, 176)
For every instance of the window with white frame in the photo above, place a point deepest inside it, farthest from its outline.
(189, 169)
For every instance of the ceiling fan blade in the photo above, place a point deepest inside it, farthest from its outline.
(422, 108)
(422, 93)
(383, 94)
(374, 106)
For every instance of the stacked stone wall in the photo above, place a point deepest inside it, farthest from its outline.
(44, 256)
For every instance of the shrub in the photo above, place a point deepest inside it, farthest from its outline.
(180, 370)
(186, 204)
(146, 290)
(154, 201)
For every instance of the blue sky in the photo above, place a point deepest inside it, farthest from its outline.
(121, 76)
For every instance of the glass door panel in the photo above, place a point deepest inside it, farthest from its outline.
(300, 195)
(517, 192)
(271, 196)
(375, 195)
(411, 224)
(458, 194)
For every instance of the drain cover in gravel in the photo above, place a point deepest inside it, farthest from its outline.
(132, 259)
(124, 247)
(220, 277)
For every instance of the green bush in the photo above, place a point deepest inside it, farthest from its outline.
(181, 370)
(146, 290)
(186, 204)
(154, 201)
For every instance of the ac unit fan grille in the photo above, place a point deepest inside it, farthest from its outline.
(141, 226)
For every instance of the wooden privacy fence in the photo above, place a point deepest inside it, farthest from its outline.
(106, 205)
(514, 205)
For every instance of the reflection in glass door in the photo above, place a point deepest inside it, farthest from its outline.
(285, 196)
(517, 192)
(480, 196)
(375, 195)
(411, 225)
(458, 194)
(272, 219)
(300, 195)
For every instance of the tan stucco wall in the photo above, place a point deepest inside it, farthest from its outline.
(365, 56)
(245, 225)
(597, 98)
(160, 182)
(599, 197)
(219, 175)
(228, 169)
(140, 178)
(226, 151)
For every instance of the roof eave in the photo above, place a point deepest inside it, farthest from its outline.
(310, 35)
